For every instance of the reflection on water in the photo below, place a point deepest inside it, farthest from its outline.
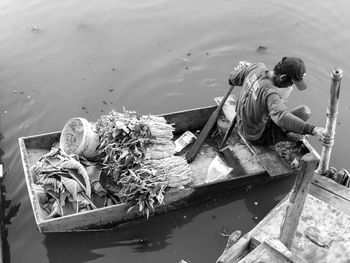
(7, 213)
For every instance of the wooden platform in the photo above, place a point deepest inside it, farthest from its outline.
(323, 233)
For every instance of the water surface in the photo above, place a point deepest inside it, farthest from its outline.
(62, 59)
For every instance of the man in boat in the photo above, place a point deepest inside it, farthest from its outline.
(261, 113)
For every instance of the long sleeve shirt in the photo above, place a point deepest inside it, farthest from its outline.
(259, 102)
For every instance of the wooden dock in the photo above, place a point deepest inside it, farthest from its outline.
(322, 235)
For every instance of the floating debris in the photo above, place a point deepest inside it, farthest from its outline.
(223, 232)
(35, 28)
(261, 49)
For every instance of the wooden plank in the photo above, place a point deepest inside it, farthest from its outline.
(269, 159)
(240, 157)
(264, 253)
(277, 246)
(236, 252)
(330, 198)
(267, 156)
(332, 186)
(297, 199)
(272, 250)
(195, 119)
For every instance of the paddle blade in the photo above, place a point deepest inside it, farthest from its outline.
(192, 153)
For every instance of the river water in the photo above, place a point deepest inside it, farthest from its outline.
(62, 59)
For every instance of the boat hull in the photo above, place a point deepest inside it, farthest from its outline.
(33, 147)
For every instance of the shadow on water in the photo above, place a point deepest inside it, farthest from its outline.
(7, 212)
(155, 233)
(149, 235)
(265, 199)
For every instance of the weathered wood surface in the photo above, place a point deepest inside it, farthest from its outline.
(264, 253)
(328, 220)
(268, 158)
(297, 199)
(244, 161)
(272, 162)
(332, 186)
(238, 251)
(316, 213)
(189, 120)
(272, 250)
(331, 193)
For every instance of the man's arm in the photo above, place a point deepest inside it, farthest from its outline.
(280, 115)
(237, 76)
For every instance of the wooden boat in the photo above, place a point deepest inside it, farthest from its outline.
(247, 170)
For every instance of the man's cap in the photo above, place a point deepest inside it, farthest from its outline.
(295, 69)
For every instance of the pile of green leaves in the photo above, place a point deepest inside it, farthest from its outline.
(143, 188)
(124, 138)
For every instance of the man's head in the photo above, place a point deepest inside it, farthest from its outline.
(289, 71)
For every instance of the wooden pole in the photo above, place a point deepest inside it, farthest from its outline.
(332, 112)
(297, 199)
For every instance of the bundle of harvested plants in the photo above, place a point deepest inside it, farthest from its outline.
(137, 153)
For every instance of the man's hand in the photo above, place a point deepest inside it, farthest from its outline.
(241, 65)
(321, 134)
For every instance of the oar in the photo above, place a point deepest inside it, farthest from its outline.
(192, 153)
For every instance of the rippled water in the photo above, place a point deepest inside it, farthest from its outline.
(61, 59)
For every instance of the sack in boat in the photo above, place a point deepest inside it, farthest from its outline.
(217, 170)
